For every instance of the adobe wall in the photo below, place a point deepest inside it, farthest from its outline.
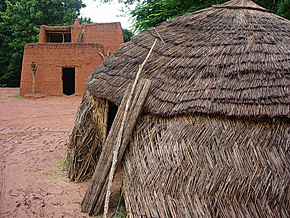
(76, 30)
(51, 58)
(109, 34)
(42, 34)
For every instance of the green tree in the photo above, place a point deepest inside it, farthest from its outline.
(283, 9)
(3, 42)
(152, 12)
(148, 13)
(2, 5)
(127, 34)
(85, 20)
(19, 24)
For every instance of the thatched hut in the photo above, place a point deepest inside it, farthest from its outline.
(213, 139)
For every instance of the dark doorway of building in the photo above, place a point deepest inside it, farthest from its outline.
(68, 81)
(111, 115)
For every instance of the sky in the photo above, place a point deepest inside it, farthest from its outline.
(102, 13)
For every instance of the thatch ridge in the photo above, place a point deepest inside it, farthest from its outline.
(220, 60)
(241, 4)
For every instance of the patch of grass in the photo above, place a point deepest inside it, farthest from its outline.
(52, 171)
(121, 213)
(63, 164)
(17, 96)
(56, 177)
(53, 174)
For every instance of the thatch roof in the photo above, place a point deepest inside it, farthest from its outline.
(230, 59)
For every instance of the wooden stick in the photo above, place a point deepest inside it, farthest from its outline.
(103, 57)
(119, 137)
(94, 198)
(159, 35)
(33, 82)
(135, 110)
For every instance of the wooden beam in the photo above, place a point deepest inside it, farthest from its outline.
(95, 195)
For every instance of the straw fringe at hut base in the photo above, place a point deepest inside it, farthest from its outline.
(198, 166)
(88, 135)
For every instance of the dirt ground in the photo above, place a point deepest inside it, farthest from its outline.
(33, 139)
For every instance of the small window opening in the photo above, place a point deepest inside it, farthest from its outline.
(67, 37)
(59, 37)
(68, 81)
(113, 109)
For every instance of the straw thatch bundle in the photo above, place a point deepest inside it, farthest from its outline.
(214, 137)
(203, 166)
(87, 138)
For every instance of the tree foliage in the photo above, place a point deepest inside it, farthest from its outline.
(19, 24)
(150, 13)
(85, 20)
(127, 34)
(283, 9)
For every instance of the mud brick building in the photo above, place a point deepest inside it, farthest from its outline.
(65, 56)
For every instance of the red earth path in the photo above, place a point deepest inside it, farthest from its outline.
(33, 141)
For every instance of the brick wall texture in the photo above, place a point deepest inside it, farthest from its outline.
(109, 34)
(51, 58)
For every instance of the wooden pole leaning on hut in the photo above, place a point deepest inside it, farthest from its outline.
(120, 134)
(117, 140)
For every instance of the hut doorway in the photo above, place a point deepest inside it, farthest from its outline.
(68, 81)
(113, 109)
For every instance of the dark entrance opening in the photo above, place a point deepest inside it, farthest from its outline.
(68, 81)
(111, 115)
